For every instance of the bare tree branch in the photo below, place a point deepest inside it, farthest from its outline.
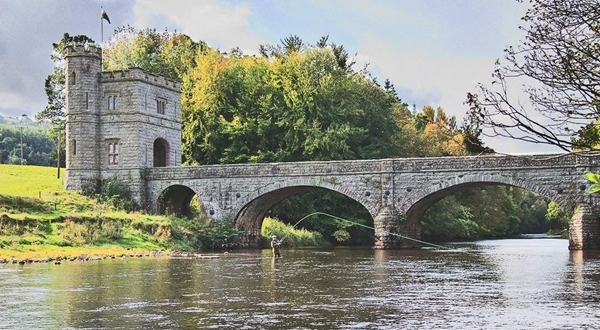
(560, 61)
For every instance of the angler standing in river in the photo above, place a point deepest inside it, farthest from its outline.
(275, 244)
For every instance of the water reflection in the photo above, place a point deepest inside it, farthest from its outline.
(517, 284)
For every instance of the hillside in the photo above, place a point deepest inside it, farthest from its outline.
(38, 218)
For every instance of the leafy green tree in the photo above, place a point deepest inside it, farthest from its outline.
(54, 112)
(295, 104)
(37, 148)
(166, 53)
(448, 220)
(558, 220)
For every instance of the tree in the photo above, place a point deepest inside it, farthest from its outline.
(294, 104)
(165, 53)
(54, 112)
(560, 63)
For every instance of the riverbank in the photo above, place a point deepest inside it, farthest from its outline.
(58, 255)
(40, 220)
(45, 253)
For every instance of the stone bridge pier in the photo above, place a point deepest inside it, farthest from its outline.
(584, 226)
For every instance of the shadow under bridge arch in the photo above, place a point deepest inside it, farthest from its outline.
(250, 217)
(175, 200)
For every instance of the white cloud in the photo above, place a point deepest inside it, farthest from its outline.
(425, 78)
(220, 25)
(432, 79)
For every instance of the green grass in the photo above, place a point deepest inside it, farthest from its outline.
(30, 181)
(39, 216)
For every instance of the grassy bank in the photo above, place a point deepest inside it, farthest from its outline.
(41, 219)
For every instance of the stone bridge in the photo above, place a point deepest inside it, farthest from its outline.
(396, 192)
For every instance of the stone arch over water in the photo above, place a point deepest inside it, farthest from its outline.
(426, 198)
(252, 212)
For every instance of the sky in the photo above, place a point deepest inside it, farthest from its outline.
(433, 51)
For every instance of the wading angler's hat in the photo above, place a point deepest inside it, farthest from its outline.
(274, 236)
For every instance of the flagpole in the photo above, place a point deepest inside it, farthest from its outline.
(101, 25)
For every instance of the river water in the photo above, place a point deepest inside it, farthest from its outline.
(499, 284)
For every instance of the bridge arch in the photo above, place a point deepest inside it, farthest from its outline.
(351, 191)
(175, 199)
(255, 206)
(425, 198)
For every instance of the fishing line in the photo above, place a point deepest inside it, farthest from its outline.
(369, 227)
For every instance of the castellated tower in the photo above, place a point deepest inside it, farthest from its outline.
(117, 123)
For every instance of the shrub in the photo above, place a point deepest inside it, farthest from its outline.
(289, 235)
(117, 194)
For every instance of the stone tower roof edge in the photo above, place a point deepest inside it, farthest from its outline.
(136, 73)
(83, 50)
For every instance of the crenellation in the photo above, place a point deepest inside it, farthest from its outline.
(85, 50)
(137, 74)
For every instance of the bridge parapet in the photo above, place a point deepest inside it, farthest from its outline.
(404, 165)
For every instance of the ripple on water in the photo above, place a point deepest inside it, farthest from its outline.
(504, 285)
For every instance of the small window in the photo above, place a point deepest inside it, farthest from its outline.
(87, 100)
(113, 103)
(113, 153)
(160, 106)
(74, 147)
(72, 78)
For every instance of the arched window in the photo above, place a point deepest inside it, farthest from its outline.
(113, 103)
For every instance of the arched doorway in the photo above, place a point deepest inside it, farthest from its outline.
(161, 150)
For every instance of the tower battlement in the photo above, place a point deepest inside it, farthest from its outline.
(83, 50)
(137, 74)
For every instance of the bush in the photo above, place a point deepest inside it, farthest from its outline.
(219, 235)
(289, 236)
(117, 194)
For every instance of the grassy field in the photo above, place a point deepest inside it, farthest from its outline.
(30, 181)
(39, 218)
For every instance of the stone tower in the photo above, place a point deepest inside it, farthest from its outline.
(117, 123)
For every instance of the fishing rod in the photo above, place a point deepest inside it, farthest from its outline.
(365, 226)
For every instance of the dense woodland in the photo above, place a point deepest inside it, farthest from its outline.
(38, 148)
(298, 101)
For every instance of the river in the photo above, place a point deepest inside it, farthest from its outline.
(494, 284)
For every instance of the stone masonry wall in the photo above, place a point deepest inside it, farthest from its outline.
(397, 182)
(82, 123)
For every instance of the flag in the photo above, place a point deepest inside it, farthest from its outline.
(103, 15)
